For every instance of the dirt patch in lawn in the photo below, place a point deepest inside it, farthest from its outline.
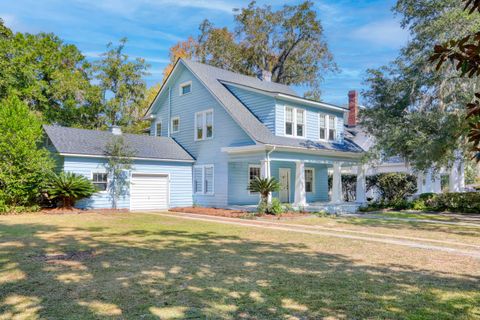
(71, 256)
(213, 212)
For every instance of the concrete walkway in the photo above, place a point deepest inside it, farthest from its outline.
(412, 242)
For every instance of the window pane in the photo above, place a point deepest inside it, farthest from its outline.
(254, 172)
(289, 128)
(209, 124)
(322, 133)
(331, 122)
(300, 115)
(159, 129)
(175, 125)
(322, 121)
(199, 126)
(308, 180)
(186, 89)
(208, 179)
(197, 180)
(100, 181)
(300, 130)
(288, 114)
(331, 134)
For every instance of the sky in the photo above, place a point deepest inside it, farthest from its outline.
(361, 34)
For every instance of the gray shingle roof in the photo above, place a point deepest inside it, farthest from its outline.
(93, 142)
(212, 78)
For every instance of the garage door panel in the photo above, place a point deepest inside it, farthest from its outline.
(149, 192)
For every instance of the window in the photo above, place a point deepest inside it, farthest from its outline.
(175, 124)
(323, 126)
(203, 179)
(185, 88)
(100, 180)
(309, 180)
(204, 125)
(158, 129)
(294, 122)
(331, 128)
(253, 172)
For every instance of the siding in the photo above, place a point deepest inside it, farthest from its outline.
(238, 183)
(180, 180)
(312, 128)
(262, 106)
(226, 131)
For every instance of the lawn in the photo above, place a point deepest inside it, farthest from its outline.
(145, 266)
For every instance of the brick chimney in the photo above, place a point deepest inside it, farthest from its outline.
(352, 108)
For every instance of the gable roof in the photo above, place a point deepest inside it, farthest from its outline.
(213, 79)
(93, 142)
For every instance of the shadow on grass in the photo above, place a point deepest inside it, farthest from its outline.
(179, 274)
(472, 231)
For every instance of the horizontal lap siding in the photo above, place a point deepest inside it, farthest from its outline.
(226, 132)
(238, 184)
(180, 180)
(262, 106)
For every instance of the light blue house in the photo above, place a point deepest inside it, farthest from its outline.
(233, 128)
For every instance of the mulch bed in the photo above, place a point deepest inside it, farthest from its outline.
(237, 213)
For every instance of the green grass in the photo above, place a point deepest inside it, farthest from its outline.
(151, 267)
(420, 216)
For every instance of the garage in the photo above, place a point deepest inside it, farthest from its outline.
(149, 192)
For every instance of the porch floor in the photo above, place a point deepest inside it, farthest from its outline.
(331, 208)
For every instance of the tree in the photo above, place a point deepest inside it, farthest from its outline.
(24, 166)
(264, 186)
(289, 43)
(122, 85)
(50, 76)
(68, 187)
(416, 112)
(119, 160)
(464, 54)
(183, 49)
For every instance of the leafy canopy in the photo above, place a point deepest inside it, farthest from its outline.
(23, 165)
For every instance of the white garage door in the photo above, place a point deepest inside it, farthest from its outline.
(149, 192)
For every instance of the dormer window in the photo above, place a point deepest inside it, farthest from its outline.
(327, 127)
(331, 128)
(185, 88)
(294, 122)
(323, 126)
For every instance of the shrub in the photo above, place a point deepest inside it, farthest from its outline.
(264, 186)
(276, 207)
(68, 187)
(393, 187)
(467, 202)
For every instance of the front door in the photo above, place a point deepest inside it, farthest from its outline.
(285, 185)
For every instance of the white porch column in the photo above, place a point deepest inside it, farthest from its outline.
(420, 182)
(437, 183)
(453, 178)
(265, 173)
(428, 182)
(461, 176)
(361, 184)
(300, 194)
(337, 196)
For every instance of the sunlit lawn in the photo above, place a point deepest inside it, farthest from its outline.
(149, 267)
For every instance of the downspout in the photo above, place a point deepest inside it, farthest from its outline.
(268, 161)
(169, 110)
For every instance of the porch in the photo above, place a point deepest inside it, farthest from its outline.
(304, 179)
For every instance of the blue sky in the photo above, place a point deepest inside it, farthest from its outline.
(361, 34)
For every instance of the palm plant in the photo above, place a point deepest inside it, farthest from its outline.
(264, 186)
(68, 187)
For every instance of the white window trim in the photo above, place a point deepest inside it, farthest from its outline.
(184, 84)
(248, 176)
(156, 128)
(327, 127)
(202, 167)
(171, 124)
(294, 121)
(204, 125)
(313, 179)
(101, 172)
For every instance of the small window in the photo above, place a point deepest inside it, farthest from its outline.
(331, 128)
(204, 125)
(289, 121)
(253, 172)
(185, 88)
(100, 180)
(203, 179)
(309, 180)
(323, 126)
(300, 123)
(158, 129)
(175, 124)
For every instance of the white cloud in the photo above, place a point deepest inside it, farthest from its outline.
(383, 33)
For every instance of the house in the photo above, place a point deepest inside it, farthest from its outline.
(427, 182)
(212, 132)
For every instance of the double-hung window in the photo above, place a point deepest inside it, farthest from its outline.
(309, 180)
(175, 124)
(203, 179)
(253, 173)
(295, 122)
(204, 125)
(327, 130)
(100, 180)
(158, 129)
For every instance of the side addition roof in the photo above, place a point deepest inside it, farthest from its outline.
(93, 142)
